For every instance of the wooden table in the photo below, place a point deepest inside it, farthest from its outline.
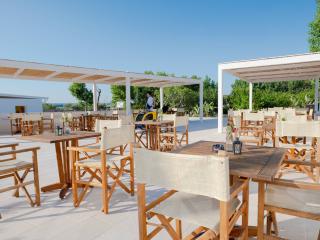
(62, 154)
(152, 129)
(259, 163)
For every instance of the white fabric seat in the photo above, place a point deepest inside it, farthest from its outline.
(298, 146)
(293, 198)
(196, 209)
(12, 165)
(95, 162)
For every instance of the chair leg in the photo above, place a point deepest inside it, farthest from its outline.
(104, 176)
(74, 171)
(178, 228)
(36, 177)
(16, 192)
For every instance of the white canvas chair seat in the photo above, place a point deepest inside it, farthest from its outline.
(297, 199)
(14, 165)
(195, 209)
(297, 146)
(95, 162)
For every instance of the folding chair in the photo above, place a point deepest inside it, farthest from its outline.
(251, 130)
(31, 124)
(198, 193)
(172, 136)
(295, 198)
(98, 169)
(11, 167)
(298, 151)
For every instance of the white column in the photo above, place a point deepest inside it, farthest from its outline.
(316, 95)
(220, 100)
(201, 100)
(94, 91)
(161, 98)
(250, 95)
(128, 96)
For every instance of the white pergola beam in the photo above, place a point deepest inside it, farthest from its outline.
(161, 98)
(128, 96)
(95, 100)
(250, 95)
(201, 100)
(220, 99)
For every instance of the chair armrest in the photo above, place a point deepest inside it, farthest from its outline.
(295, 184)
(238, 187)
(85, 149)
(9, 145)
(19, 151)
(305, 163)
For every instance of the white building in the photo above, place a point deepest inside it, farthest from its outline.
(10, 103)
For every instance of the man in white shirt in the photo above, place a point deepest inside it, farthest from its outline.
(149, 104)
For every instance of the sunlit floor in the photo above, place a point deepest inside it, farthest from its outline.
(58, 219)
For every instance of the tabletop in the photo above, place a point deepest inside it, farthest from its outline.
(260, 163)
(52, 138)
(155, 123)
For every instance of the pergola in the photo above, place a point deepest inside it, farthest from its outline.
(11, 69)
(275, 69)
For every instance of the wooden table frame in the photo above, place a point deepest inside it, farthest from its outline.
(249, 164)
(152, 129)
(62, 156)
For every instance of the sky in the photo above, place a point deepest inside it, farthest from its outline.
(181, 37)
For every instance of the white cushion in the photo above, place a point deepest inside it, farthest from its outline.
(293, 198)
(196, 209)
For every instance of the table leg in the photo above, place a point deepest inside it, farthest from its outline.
(158, 137)
(261, 193)
(62, 180)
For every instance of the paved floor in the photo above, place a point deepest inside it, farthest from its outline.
(58, 219)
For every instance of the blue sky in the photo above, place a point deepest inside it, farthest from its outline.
(181, 37)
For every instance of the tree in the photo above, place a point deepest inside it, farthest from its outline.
(82, 94)
(314, 31)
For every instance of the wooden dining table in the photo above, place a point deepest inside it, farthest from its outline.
(152, 131)
(261, 164)
(62, 155)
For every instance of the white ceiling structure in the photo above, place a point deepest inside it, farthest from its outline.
(51, 72)
(274, 69)
(23, 70)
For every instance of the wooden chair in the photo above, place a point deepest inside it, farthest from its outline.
(298, 151)
(172, 136)
(31, 124)
(100, 169)
(11, 167)
(198, 193)
(295, 198)
(15, 122)
(251, 130)
(48, 123)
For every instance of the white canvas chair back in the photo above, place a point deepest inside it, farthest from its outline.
(168, 117)
(101, 124)
(201, 175)
(298, 129)
(115, 137)
(15, 115)
(236, 121)
(253, 116)
(126, 119)
(35, 117)
(268, 113)
(181, 121)
(69, 116)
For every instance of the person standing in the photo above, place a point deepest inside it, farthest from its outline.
(150, 102)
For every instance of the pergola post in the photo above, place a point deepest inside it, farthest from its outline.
(161, 98)
(250, 95)
(316, 96)
(94, 91)
(201, 100)
(128, 96)
(220, 99)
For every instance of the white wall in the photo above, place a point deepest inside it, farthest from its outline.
(7, 105)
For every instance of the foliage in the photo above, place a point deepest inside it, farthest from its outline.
(82, 94)
(280, 94)
(314, 31)
(180, 96)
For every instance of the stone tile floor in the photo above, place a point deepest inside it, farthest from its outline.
(58, 219)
